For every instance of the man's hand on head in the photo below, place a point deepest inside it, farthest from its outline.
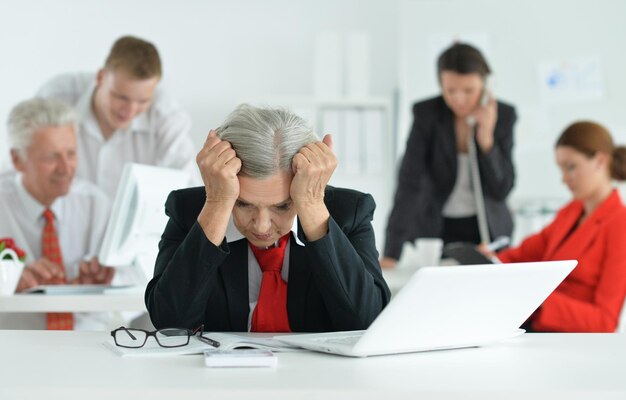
(313, 167)
(219, 166)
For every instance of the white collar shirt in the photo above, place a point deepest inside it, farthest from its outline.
(159, 136)
(255, 275)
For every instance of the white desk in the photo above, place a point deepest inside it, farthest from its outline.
(128, 301)
(75, 365)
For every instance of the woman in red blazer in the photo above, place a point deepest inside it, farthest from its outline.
(590, 229)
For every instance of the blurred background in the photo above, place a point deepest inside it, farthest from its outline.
(352, 68)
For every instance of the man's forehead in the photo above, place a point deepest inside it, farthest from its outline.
(123, 74)
(264, 202)
(270, 191)
(52, 132)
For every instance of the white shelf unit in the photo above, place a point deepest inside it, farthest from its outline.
(362, 140)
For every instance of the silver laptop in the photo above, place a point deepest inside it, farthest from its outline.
(448, 307)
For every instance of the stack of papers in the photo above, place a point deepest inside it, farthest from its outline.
(239, 358)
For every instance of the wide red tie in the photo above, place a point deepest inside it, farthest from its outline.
(270, 313)
(51, 250)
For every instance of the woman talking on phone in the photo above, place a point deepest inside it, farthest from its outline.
(435, 196)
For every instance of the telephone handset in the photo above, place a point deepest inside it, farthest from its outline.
(484, 99)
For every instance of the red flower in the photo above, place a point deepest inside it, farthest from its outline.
(8, 243)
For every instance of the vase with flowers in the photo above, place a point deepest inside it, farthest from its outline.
(11, 265)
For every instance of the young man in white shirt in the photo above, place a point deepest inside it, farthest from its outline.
(42, 196)
(124, 116)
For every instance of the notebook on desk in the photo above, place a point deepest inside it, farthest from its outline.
(76, 289)
(448, 307)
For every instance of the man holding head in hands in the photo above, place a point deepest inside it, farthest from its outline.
(266, 245)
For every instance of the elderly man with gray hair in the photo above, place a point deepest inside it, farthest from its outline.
(57, 220)
(266, 245)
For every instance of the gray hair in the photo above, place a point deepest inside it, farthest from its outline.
(265, 139)
(31, 115)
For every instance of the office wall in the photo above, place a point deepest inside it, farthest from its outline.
(220, 53)
(521, 39)
(216, 53)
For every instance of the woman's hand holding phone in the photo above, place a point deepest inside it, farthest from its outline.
(485, 117)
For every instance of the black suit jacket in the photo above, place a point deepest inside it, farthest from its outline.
(335, 283)
(428, 173)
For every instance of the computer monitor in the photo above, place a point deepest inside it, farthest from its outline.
(138, 217)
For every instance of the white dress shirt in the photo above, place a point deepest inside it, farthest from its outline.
(255, 274)
(158, 136)
(80, 219)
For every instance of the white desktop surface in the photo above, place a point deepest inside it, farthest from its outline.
(127, 301)
(75, 365)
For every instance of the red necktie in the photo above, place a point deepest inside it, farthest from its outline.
(270, 313)
(51, 250)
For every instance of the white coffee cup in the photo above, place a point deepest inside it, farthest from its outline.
(409, 258)
(429, 251)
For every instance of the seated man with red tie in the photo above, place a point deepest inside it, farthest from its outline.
(266, 245)
(57, 220)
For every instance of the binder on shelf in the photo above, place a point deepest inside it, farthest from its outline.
(353, 142)
(374, 140)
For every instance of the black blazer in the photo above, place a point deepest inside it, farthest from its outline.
(335, 283)
(428, 173)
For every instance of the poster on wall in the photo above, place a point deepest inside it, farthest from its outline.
(571, 80)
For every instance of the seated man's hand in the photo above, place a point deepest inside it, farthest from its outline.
(312, 167)
(40, 272)
(219, 166)
(92, 272)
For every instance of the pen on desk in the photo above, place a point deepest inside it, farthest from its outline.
(210, 341)
(498, 243)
